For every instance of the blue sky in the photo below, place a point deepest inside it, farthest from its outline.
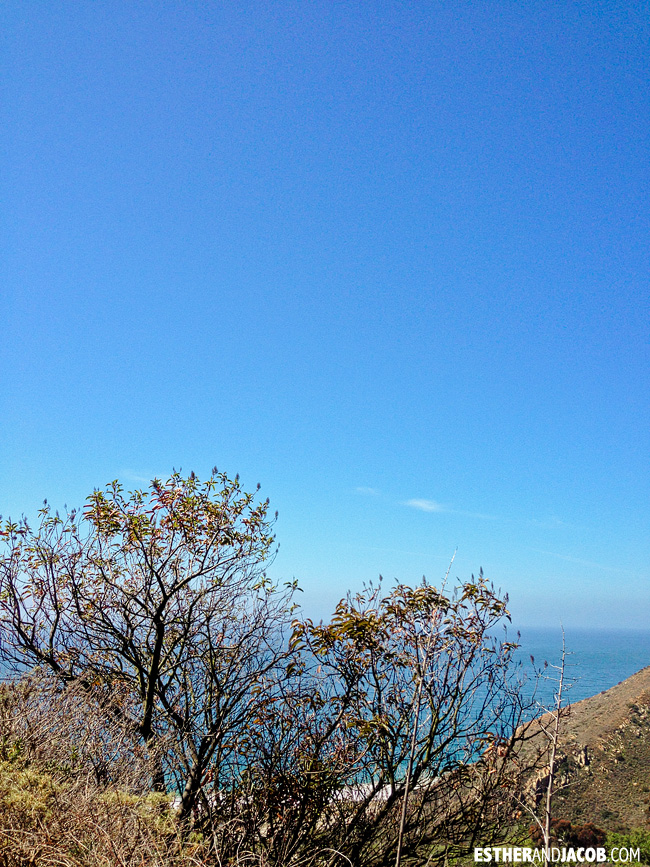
(388, 259)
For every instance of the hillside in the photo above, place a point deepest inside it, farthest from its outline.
(604, 765)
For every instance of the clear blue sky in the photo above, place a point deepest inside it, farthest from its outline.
(388, 259)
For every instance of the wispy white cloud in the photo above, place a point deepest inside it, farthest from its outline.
(133, 476)
(430, 506)
(426, 505)
(579, 561)
(480, 515)
(368, 492)
(389, 550)
(433, 506)
(555, 523)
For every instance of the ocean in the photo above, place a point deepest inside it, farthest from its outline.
(597, 659)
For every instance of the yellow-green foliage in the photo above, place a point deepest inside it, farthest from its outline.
(636, 839)
(153, 809)
(49, 819)
(27, 792)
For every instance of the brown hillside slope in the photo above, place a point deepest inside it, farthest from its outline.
(604, 769)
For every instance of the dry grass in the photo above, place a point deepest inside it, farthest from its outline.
(74, 793)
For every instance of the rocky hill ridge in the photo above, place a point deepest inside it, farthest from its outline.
(604, 768)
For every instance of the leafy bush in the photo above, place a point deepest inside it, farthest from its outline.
(637, 839)
(162, 658)
(568, 834)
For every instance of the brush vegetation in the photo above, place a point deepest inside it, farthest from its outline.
(170, 706)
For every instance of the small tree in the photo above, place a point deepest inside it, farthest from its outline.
(553, 734)
(546, 728)
(383, 735)
(398, 690)
(156, 602)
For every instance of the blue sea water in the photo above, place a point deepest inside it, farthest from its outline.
(597, 659)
